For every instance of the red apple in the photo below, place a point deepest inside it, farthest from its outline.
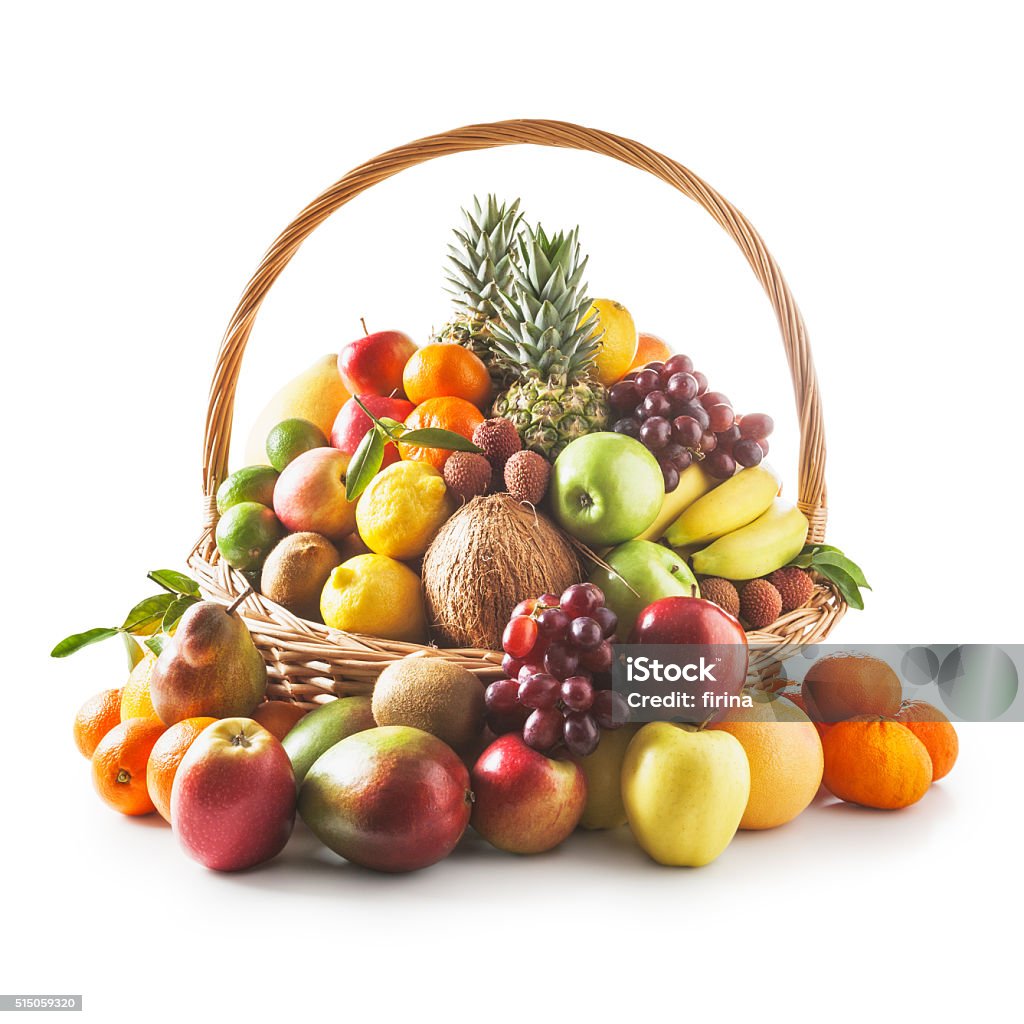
(373, 365)
(309, 495)
(352, 423)
(525, 802)
(392, 798)
(698, 623)
(233, 798)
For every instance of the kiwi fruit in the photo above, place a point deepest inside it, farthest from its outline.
(296, 570)
(433, 695)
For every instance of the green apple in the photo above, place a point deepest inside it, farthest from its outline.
(652, 570)
(606, 488)
(603, 769)
(685, 790)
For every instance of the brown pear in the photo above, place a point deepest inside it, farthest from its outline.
(210, 667)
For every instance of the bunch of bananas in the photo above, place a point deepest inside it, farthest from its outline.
(739, 529)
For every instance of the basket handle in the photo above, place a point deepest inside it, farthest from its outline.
(216, 441)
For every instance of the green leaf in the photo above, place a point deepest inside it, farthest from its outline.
(146, 616)
(175, 612)
(838, 559)
(804, 561)
(133, 649)
(175, 582)
(77, 641)
(846, 584)
(365, 464)
(393, 427)
(157, 642)
(434, 437)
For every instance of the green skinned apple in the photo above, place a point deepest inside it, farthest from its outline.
(606, 488)
(685, 792)
(652, 570)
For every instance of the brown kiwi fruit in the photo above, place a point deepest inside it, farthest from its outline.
(433, 695)
(296, 570)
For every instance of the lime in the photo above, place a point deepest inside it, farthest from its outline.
(254, 483)
(290, 438)
(246, 533)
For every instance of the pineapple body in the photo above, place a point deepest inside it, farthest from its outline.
(549, 412)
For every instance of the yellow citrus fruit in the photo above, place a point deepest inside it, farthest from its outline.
(376, 595)
(402, 509)
(135, 699)
(786, 761)
(618, 345)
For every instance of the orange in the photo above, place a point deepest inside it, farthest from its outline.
(135, 699)
(797, 697)
(446, 413)
(876, 762)
(165, 757)
(119, 765)
(935, 731)
(446, 371)
(785, 758)
(845, 685)
(95, 718)
(278, 716)
(650, 349)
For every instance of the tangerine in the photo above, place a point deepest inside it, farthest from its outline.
(935, 731)
(446, 371)
(446, 413)
(95, 718)
(165, 757)
(119, 765)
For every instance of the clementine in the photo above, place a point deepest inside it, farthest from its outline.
(650, 349)
(119, 765)
(278, 716)
(785, 758)
(95, 718)
(439, 371)
(165, 757)
(845, 685)
(446, 413)
(935, 731)
(876, 762)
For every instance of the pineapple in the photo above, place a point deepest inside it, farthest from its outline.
(541, 341)
(479, 271)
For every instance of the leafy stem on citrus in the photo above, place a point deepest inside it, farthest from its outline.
(369, 455)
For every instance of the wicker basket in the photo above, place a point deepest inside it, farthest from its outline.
(309, 663)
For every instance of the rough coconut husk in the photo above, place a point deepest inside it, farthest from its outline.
(492, 554)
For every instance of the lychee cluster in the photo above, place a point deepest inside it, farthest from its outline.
(758, 603)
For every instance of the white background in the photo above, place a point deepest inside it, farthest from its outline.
(154, 151)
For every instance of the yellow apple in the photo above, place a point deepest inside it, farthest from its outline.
(685, 790)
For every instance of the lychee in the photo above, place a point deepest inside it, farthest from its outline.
(499, 440)
(526, 476)
(794, 584)
(760, 604)
(467, 474)
(721, 592)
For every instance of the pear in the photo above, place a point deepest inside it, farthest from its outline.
(210, 668)
(603, 769)
(317, 394)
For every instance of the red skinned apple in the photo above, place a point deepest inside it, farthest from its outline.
(373, 365)
(309, 495)
(233, 798)
(392, 798)
(525, 802)
(352, 423)
(699, 624)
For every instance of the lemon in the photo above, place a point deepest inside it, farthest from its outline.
(135, 699)
(618, 345)
(377, 595)
(402, 509)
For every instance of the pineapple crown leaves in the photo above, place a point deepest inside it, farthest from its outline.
(480, 266)
(542, 326)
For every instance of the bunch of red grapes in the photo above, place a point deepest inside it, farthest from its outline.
(668, 408)
(554, 648)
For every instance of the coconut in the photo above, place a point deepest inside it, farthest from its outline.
(492, 554)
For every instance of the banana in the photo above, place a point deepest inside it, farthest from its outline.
(693, 483)
(771, 541)
(732, 504)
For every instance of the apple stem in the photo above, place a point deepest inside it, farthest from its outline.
(233, 607)
(362, 320)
